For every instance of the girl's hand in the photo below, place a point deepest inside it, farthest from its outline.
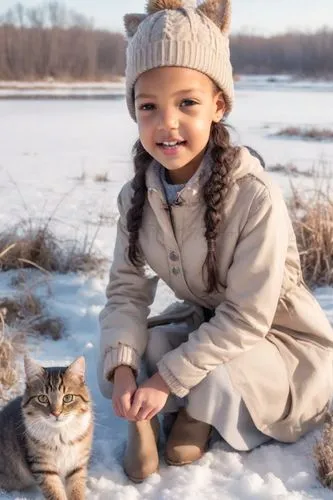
(149, 398)
(123, 390)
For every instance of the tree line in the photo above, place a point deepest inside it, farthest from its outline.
(50, 41)
(301, 54)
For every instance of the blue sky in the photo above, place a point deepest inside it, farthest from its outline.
(256, 16)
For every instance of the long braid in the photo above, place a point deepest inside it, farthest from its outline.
(223, 156)
(141, 160)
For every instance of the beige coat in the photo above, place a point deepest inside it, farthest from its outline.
(268, 329)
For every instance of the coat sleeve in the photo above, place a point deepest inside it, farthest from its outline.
(130, 292)
(253, 288)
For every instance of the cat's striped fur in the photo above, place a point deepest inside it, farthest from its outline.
(46, 435)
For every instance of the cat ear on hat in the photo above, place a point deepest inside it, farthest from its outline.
(132, 22)
(218, 11)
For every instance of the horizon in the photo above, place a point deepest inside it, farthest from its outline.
(280, 17)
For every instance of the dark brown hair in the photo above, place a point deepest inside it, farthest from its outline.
(223, 156)
(142, 160)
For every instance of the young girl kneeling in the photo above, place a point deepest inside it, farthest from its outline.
(246, 349)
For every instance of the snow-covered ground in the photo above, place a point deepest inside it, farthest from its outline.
(49, 88)
(288, 82)
(51, 151)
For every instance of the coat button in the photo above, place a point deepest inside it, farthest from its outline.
(175, 271)
(173, 256)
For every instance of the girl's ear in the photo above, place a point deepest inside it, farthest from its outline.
(219, 108)
(219, 11)
(132, 22)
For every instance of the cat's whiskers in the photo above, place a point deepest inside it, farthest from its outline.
(37, 429)
(32, 423)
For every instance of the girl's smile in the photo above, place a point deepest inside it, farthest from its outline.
(175, 108)
(171, 147)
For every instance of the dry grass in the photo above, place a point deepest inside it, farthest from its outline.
(312, 133)
(103, 177)
(289, 169)
(11, 346)
(107, 219)
(323, 454)
(24, 246)
(17, 309)
(27, 313)
(82, 177)
(48, 327)
(312, 216)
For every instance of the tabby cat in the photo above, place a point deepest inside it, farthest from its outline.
(46, 434)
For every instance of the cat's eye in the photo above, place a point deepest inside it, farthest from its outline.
(68, 398)
(42, 399)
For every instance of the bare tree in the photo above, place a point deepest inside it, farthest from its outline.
(51, 41)
(303, 54)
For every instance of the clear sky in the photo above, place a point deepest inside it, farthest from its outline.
(256, 16)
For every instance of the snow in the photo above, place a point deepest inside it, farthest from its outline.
(48, 89)
(286, 82)
(46, 146)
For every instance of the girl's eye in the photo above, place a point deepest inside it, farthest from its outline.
(187, 102)
(68, 398)
(147, 107)
(42, 399)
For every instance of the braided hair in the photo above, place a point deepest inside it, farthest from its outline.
(223, 156)
(224, 159)
(141, 160)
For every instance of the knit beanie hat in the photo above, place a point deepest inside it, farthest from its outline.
(178, 33)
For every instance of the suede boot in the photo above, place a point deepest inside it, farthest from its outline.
(187, 441)
(141, 456)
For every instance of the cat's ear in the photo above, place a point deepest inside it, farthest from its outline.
(77, 368)
(132, 22)
(219, 11)
(33, 370)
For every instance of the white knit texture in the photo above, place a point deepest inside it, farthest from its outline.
(183, 38)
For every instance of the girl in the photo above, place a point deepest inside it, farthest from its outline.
(248, 350)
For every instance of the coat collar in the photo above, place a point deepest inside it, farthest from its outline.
(246, 165)
(190, 192)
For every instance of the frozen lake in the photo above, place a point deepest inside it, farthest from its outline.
(68, 136)
(47, 145)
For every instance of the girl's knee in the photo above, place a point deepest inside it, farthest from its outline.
(158, 345)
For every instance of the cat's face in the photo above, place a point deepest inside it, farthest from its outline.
(55, 396)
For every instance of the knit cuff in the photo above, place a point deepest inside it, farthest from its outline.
(123, 355)
(174, 385)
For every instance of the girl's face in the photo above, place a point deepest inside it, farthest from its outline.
(175, 108)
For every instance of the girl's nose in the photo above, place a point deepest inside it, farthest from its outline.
(168, 120)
